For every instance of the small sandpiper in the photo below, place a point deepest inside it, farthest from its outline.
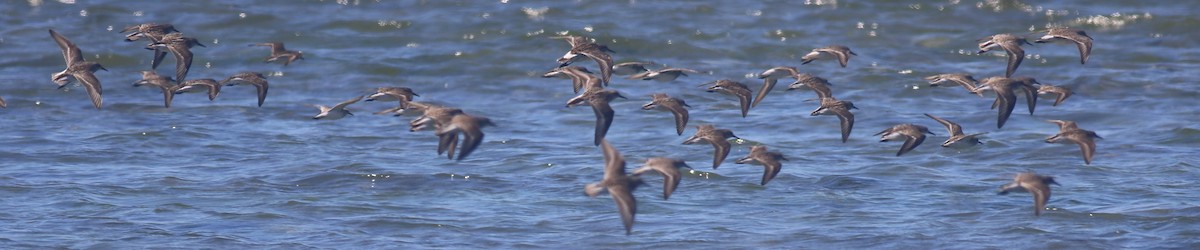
(1037, 185)
(618, 184)
(833, 106)
(962, 79)
(1060, 93)
(77, 68)
(818, 85)
(278, 51)
(1006, 99)
(471, 129)
(664, 74)
(913, 136)
(956, 134)
(252, 78)
(581, 78)
(1011, 45)
(387, 94)
(770, 160)
(735, 89)
(770, 77)
(842, 53)
(676, 106)
(630, 68)
(1079, 37)
(1069, 132)
(166, 84)
(196, 85)
(153, 32)
(181, 47)
(669, 168)
(337, 111)
(599, 99)
(719, 138)
(438, 116)
(583, 47)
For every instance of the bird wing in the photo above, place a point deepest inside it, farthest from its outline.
(71, 53)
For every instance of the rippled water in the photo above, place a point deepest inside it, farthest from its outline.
(227, 174)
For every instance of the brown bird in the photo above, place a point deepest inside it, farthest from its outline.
(619, 185)
(1006, 98)
(181, 47)
(1080, 38)
(719, 138)
(1068, 132)
(401, 94)
(166, 84)
(630, 68)
(580, 77)
(471, 129)
(833, 106)
(438, 116)
(818, 85)
(1061, 93)
(956, 134)
(153, 32)
(770, 161)
(278, 51)
(735, 89)
(1037, 185)
(664, 74)
(676, 106)
(598, 98)
(1011, 45)
(582, 47)
(253, 78)
(77, 68)
(669, 168)
(965, 80)
(842, 53)
(770, 78)
(913, 136)
(207, 84)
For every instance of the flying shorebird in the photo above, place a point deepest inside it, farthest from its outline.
(842, 53)
(278, 52)
(719, 138)
(337, 111)
(1011, 45)
(669, 168)
(599, 99)
(770, 160)
(956, 134)
(471, 129)
(735, 89)
(618, 184)
(676, 106)
(77, 68)
(582, 47)
(166, 84)
(1079, 37)
(181, 47)
(833, 106)
(1069, 132)
(913, 136)
(1037, 185)
(253, 78)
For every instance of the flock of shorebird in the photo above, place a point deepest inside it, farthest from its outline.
(620, 185)
(449, 123)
